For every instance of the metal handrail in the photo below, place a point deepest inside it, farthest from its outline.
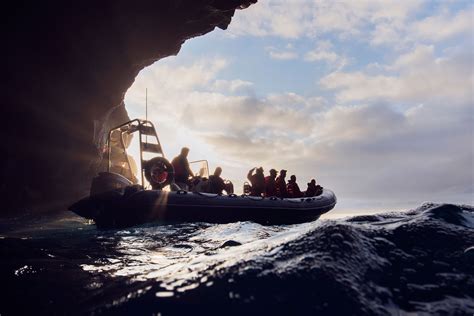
(131, 128)
(202, 160)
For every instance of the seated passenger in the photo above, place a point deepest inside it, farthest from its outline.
(202, 172)
(247, 188)
(270, 183)
(313, 189)
(293, 188)
(229, 187)
(257, 181)
(281, 191)
(216, 183)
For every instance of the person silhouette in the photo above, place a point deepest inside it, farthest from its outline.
(313, 189)
(281, 185)
(270, 183)
(293, 189)
(257, 181)
(182, 172)
(216, 183)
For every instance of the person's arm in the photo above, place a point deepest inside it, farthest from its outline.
(221, 185)
(249, 175)
(188, 169)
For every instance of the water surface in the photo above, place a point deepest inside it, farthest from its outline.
(418, 261)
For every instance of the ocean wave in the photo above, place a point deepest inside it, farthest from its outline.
(420, 261)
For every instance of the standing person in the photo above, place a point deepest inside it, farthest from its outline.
(257, 180)
(182, 172)
(293, 189)
(270, 183)
(281, 185)
(216, 183)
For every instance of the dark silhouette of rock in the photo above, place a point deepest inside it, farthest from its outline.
(230, 243)
(67, 66)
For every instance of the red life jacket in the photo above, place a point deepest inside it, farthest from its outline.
(294, 190)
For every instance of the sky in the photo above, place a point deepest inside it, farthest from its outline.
(373, 99)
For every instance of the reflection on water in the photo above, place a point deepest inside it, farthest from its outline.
(183, 257)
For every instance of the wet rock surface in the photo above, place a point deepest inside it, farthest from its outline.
(413, 262)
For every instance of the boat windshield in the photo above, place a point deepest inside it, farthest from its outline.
(200, 168)
(120, 161)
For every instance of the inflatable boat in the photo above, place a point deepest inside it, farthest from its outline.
(117, 198)
(115, 209)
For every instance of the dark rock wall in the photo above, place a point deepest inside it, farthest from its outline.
(68, 66)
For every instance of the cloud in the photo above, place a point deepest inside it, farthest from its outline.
(283, 55)
(444, 25)
(269, 18)
(385, 33)
(439, 26)
(170, 77)
(399, 25)
(244, 115)
(234, 86)
(287, 53)
(324, 52)
(311, 18)
(397, 154)
(291, 100)
(256, 151)
(417, 76)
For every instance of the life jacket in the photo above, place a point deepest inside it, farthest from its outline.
(270, 186)
(293, 190)
(281, 187)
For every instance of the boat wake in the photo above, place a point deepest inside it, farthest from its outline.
(418, 261)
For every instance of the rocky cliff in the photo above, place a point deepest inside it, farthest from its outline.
(68, 66)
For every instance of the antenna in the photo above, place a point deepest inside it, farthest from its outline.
(146, 111)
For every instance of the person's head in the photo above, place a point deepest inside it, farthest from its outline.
(218, 172)
(283, 173)
(259, 170)
(184, 151)
(273, 173)
(293, 178)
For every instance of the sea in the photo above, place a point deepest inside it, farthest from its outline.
(415, 262)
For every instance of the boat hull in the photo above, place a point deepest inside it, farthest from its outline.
(114, 209)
